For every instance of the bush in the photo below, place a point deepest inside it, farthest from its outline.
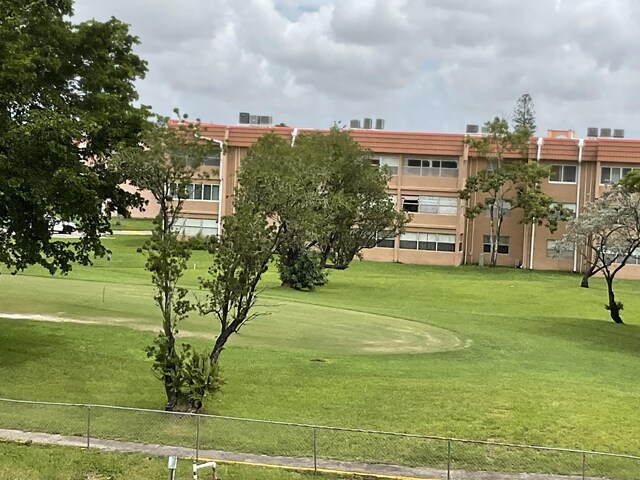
(300, 268)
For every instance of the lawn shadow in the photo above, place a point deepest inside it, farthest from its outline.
(23, 341)
(593, 334)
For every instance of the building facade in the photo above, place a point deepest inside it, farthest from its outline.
(428, 171)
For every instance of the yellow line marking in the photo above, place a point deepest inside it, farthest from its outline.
(322, 470)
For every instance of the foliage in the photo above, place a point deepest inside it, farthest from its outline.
(631, 181)
(66, 93)
(508, 185)
(241, 255)
(328, 197)
(608, 232)
(523, 117)
(170, 155)
(300, 267)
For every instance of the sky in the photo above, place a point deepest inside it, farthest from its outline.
(421, 65)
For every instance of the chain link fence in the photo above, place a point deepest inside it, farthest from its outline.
(312, 446)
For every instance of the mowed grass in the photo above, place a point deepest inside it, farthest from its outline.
(39, 462)
(469, 352)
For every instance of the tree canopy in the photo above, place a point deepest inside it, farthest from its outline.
(66, 94)
(508, 185)
(330, 200)
(608, 232)
(524, 115)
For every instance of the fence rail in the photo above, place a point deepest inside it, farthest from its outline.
(316, 446)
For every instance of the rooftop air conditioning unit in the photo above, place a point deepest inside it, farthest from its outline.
(244, 117)
(254, 119)
(355, 123)
(618, 133)
(605, 132)
(484, 129)
(368, 123)
(592, 132)
(265, 120)
(379, 123)
(471, 129)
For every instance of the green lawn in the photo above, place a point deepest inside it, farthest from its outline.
(38, 462)
(132, 224)
(470, 352)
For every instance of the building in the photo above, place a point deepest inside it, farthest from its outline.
(428, 171)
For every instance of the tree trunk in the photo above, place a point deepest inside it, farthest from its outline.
(614, 310)
(219, 345)
(584, 283)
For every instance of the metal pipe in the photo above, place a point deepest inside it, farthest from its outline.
(533, 223)
(575, 248)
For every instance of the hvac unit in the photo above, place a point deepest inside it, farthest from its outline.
(368, 123)
(471, 129)
(605, 132)
(592, 132)
(484, 129)
(254, 119)
(618, 133)
(355, 123)
(379, 123)
(244, 118)
(265, 120)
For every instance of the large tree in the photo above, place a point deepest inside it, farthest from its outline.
(608, 231)
(506, 185)
(329, 198)
(170, 156)
(66, 94)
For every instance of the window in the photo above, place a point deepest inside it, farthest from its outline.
(390, 162)
(441, 242)
(431, 167)
(385, 239)
(430, 204)
(572, 207)
(501, 207)
(503, 244)
(613, 174)
(212, 160)
(563, 173)
(194, 226)
(203, 191)
(557, 249)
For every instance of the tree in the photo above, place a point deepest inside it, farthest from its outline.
(66, 94)
(524, 115)
(329, 198)
(609, 230)
(241, 255)
(165, 163)
(506, 186)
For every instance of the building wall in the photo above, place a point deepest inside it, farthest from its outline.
(468, 235)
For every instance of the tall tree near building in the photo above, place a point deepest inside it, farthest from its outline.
(608, 230)
(66, 93)
(330, 199)
(523, 117)
(507, 185)
(169, 157)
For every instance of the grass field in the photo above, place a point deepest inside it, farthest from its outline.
(501, 354)
(37, 462)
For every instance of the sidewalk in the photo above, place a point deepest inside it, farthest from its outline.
(300, 463)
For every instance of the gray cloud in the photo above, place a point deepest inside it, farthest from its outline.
(422, 65)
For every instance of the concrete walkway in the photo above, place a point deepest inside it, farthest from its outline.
(301, 463)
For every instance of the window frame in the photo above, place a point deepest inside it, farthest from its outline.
(428, 165)
(561, 175)
(486, 245)
(439, 242)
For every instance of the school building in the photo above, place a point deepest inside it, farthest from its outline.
(428, 171)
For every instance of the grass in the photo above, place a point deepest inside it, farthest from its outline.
(132, 224)
(500, 354)
(39, 462)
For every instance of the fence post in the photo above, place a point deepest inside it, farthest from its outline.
(315, 450)
(448, 459)
(88, 426)
(197, 437)
(584, 464)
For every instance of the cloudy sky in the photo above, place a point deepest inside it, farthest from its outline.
(422, 65)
